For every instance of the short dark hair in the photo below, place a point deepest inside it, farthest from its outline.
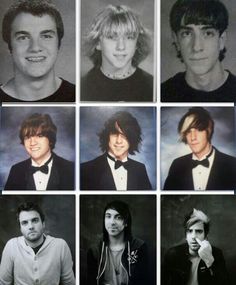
(199, 12)
(129, 126)
(39, 123)
(200, 119)
(194, 217)
(110, 20)
(30, 206)
(123, 209)
(36, 8)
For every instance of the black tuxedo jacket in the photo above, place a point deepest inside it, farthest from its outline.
(61, 177)
(222, 175)
(96, 175)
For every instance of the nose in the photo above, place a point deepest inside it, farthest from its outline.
(120, 44)
(31, 225)
(119, 138)
(193, 135)
(35, 45)
(33, 140)
(197, 43)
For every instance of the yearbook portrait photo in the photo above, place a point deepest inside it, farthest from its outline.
(118, 239)
(117, 148)
(37, 51)
(38, 148)
(37, 243)
(198, 51)
(197, 232)
(117, 51)
(197, 148)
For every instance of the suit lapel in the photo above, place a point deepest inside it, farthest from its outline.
(29, 179)
(54, 179)
(106, 177)
(188, 179)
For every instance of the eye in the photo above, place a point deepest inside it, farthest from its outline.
(209, 33)
(47, 36)
(185, 33)
(35, 220)
(22, 38)
(24, 223)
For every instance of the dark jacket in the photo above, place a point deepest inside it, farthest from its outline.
(176, 268)
(61, 177)
(96, 175)
(134, 259)
(222, 175)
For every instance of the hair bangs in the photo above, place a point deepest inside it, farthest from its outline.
(120, 25)
(199, 17)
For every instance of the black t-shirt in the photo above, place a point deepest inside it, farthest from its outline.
(138, 87)
(176, 89)
(65, 93)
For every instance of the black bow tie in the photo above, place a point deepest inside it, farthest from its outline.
(204, 162)
(43, 168)
(119, 163)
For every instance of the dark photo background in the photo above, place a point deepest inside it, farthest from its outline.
(171, 147)
(143, 212)
(145, 10)
(92, 121)
(11, 151)
(221, 211)
(170, 64)
(59, 213)
(65, 66)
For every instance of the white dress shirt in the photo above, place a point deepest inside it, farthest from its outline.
(201, 173)
(40, 178)
(120, 174)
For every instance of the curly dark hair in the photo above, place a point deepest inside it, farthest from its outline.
(36, 8)
(129, 126)
(30, 206)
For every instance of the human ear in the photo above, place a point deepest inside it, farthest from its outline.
(223, 38)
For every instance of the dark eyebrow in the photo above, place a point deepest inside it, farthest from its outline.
(21, 33)
(204, 27)
(48, 31)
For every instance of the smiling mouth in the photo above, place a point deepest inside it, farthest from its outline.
(198, 59)
(35, 58)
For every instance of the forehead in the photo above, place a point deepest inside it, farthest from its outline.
(195, 28)
(28, 215)
(112, 212)
(197, 226)
(32, 23)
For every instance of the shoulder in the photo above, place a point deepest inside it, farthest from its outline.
(137, 243)
(171, 85)
(58, 242)
(22, 164)
(147, 76)
(182, 159)
(94, 162)
(61, 160)
(65, 93)
(176, 251)
(225, 157)
(135, 163)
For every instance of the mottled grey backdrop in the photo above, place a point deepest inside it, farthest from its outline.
(92, 121)
(145, 10)
(65, 66)
(170, 64)
(222, 213)
(171, 147)
(11, 151)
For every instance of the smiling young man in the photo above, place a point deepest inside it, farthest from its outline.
(119, 258)
(205, 168)
(114, 170)
(35, 258)
(34, 30)
(196, 261)
(199, 36)
(116, 43)
(44, 170)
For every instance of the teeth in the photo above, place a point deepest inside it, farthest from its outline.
(36, 59)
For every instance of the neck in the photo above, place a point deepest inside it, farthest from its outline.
(32, 89)
(116, 242)
(36, 243)
(42, 161)
(192, 252)
(204, 152)
(209, 81)
(120, 73)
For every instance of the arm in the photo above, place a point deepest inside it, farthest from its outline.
(7, 265)
(92, 268)
(67, 274)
